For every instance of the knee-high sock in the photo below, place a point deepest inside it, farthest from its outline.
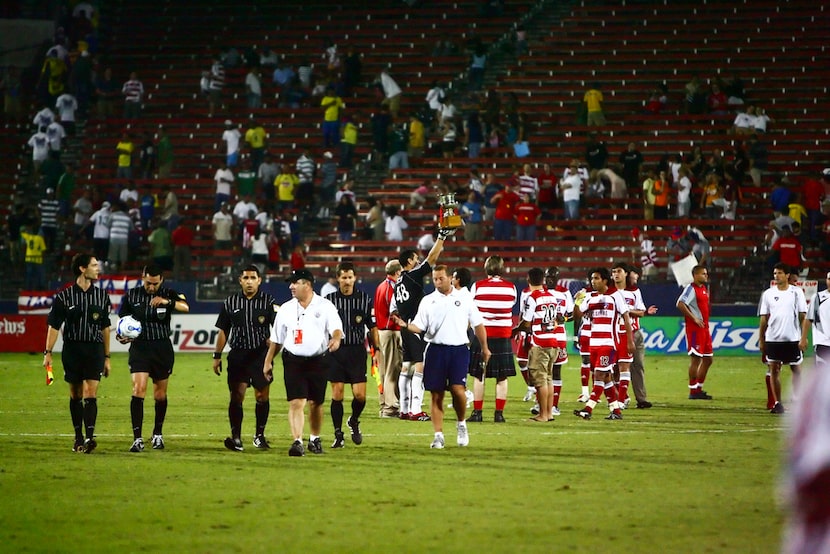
(625, 381)
(557, 390)
(611, 396)
(596, 393)
(770, 396)
(417, 393)
(357, 408)
(161, 413)
(137, 415)
(337, 414)
(235, 415)
(405, 392)
(76, 412)
(263, 409)
(90, 416)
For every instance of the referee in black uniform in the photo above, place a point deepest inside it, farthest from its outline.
(348, 363)
(246, 318)
(151, 353)
(84, 312)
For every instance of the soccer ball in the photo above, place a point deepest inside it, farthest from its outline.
(128, 327)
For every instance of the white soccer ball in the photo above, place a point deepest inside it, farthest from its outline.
(128, 327)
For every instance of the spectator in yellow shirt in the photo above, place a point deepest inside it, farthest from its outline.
(331, 104)
(348, 143)
(125, 158)
(34, 278)
(417, 141)
(286, 185)
(255, 139)
(593, 100)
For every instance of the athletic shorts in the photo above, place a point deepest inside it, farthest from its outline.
(413, 347)
(82, 361)
(562, 337)
(445, 366)
(501, 364)
(621, 347)
(245, 366)
(698, 340)
(585, 345)
(522, 347)
(783, 352)
(347, 364)
(602, 358)
(305, 377)
(152, 356)
(540, 365)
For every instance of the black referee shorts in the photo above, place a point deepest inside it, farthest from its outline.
(413, 347)
(152, 356)
(245, 366)
(347, 364)
(305, 377)
(82, 361)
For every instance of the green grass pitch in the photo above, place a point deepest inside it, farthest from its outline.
(685, 476)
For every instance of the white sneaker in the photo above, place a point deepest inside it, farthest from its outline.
(470, 397)
(530, 394)
(438, 441)
(138, 445)
(158, 442)
(624, 405)
(554, 411)
(463, 436)
(583, 398)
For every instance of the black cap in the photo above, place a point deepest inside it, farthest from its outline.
(298, 274)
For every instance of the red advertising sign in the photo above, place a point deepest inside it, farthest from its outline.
(22, 333)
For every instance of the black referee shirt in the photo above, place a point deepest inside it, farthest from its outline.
(155, 322)
(356, 312)
(409, 290)
(84, 315)
(247, 322)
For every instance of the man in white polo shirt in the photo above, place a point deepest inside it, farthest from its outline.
(443, 317)
(306, 329)
(782, 311)
(818, 314)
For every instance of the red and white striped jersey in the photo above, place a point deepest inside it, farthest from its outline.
(585, 324)
(494, 297)
(630, 300)
(541, 311)
(639, 304)
(605, 309)
(565, 305)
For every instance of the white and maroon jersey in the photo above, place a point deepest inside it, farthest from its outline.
(639, 305)
(541, 311)
(495, 297)
(606, 310)
(565, 306)
(584, 332)
(630, 300)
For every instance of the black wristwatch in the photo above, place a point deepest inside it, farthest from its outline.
(47, 352)
(217, 355)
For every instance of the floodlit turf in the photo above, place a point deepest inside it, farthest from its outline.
(685, 476)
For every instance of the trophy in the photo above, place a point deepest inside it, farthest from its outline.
(448, 217)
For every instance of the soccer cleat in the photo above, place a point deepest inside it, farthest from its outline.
(535, 409)
(405, 416)
(79, 446)
(89, 445)
(339, 440)
(475, 417)
(463, 436)
(354, 427)
(420, 416)
(315, 446)
(498, 416)
(778, 408)
(470, 397)
(437, 442)
(626, 403)
(614, 416)
(644, 405)
(233, 444)
(583, 414)
(530, 394)
(296, 448)
(699, 395)
(138, 445)
(583, 398)
(554, 411)
(261, 442)
(158, 442)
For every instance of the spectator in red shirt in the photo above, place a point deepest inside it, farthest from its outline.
(297, 257)
(717, 101)
(504, 219)
(182, 240)
(787, 250)
(547, 189)
(527, 214)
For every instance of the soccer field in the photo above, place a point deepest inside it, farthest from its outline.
(684, 476)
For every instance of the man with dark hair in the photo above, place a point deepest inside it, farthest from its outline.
(638, 370)
(693, 303)
(494, 297)
(151, 353)
(389, 350)
(244, 323)
(307, 329)
(348, 363)
(409, 290)
(84, 312)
